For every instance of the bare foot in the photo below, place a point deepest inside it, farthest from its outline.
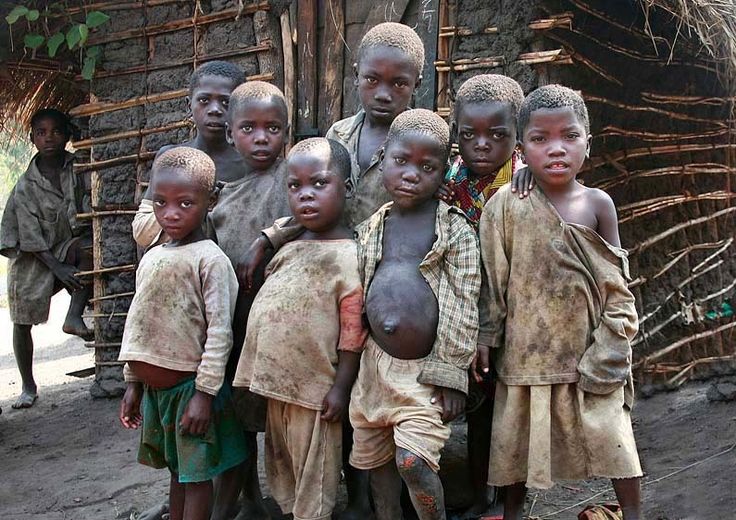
(159, 512)
(75, 325)
(26, 400)
(356, 513)
(253, 511)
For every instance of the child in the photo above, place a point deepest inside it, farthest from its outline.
(486, 108)
(45, 243)
(420, 267)
(388, 71)
(177, 338)
(209, 95)
(562, 317)
(312, 286)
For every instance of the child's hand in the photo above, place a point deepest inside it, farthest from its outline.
(130, 406)
(250, 261)
(522, 182)
(196, 417)
(446, 192)
(452, 402)
(481, 363)
(334, 404)
(65, 273)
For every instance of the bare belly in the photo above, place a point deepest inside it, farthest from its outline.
(158, 377)
(402, 311)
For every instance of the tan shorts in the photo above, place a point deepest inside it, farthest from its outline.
(303, 460)
(389, 408)
(547, 433)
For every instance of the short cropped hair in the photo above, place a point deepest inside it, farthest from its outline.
(424, 122)
(339, 156)
(552, 96)
(223, 69)
(489, 88)
(194, 164)
(256, 90)
(398, 36)
(62, 119)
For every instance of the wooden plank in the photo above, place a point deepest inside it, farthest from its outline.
(331, 58)
(287, 45)
(306, 43)
(385, 11)
(428, 29)
(263, 29)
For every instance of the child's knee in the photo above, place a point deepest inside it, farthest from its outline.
(412, 468)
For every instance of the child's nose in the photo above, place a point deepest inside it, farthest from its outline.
(382, 94)
(482, 143)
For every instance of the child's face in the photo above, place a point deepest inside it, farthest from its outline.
(413, 168)
(486, 134)
(258, 130)
(316, 191)
(49, 137)
(179, 203)
(555, 145)
(386, 80)
(209, 101)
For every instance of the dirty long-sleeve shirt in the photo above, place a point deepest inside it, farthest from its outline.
(452, 270)
(181, 315)
(560, 309)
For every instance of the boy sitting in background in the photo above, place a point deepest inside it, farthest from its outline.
(562, 318)
(305, 335)
(420, 267)
(177, 338)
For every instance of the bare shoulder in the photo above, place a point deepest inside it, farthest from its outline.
(601, 202)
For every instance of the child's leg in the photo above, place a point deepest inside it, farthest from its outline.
(197, 500)
(176, 498)
(628, 493)
(80, 257)
(226, 490)
(23, 350)
(479, 450)
(425, 487)
(356, 481)
(385, 484)
(513, 503)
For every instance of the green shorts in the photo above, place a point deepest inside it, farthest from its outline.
(194, 458)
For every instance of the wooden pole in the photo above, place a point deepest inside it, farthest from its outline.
(332, 59)
(287, 45)
(306, 43)
(427, 29)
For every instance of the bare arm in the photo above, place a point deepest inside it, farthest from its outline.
(605, 212)
(64, 272)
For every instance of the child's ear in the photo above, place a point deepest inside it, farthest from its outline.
(587, 147)
(418, 82)
(381, 156)
(349, 188)
(229, 134)
(453, 131)
(355, 73)
(215, 195)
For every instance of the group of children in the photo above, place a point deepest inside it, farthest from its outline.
(394, 288)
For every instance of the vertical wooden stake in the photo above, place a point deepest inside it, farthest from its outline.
(306, 43)
(289, 72)
(427, 29)
(331, 64)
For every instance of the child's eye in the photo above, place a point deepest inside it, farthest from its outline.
(499, 135)
(186, 204)
(370, 81)
(225, 102)
(466, 135)
(400, 160)
(536, 139)
(320, 182)
(247, 128)
(160, 203)
(274, 129)
(292, 185)
(400, 84)
(203, 100)
(428, 167)
(573, 135)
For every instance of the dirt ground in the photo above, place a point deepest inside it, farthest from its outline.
(68, 458)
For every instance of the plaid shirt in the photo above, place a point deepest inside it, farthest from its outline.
(452, 270)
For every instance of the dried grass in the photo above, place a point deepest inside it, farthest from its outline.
(711, 23)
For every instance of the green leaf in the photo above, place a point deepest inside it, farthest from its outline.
(54, 42)
(16, 13)
(88, 71)
(73, 37)
(96, 18)
(83, 33)
(94, 52)
(33, 40)
(33, 15)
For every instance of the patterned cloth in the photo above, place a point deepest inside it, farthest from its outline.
(193, 458)
(452, 270)
(472, 193)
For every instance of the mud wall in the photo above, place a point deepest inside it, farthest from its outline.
(663, 148)
(138, 104)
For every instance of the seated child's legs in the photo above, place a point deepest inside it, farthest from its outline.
(303, 460)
